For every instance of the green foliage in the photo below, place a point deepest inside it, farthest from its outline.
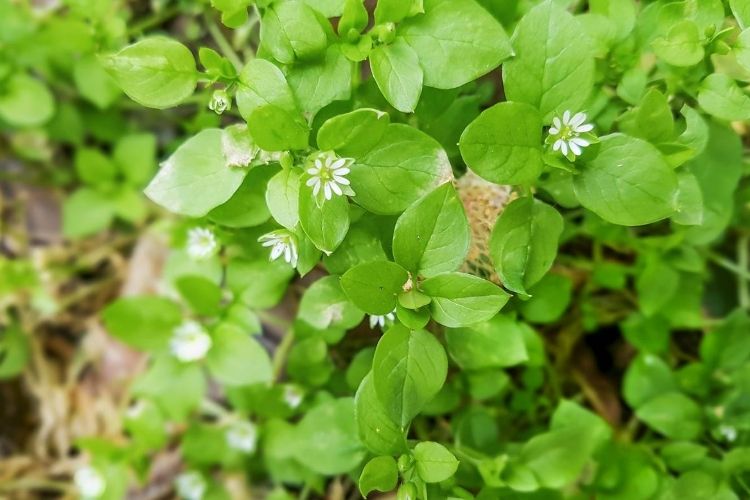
(407, 251)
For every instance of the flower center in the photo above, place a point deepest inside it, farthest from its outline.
(567, 133)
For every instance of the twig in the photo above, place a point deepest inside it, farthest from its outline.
(223, 43)
(282, 351)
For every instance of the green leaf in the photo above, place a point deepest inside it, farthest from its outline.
(93, 167)
(403, 166)
(263, 84)
(277, 129)
(94, 83)
(496, 343)
(720, 96)
(432, 236)
(627, 183)
(326, 438)
(504, 144)
(135, 155)
(409, 369)
(741, 11)
(329, 8)
(290, 31)
(723, 153)
(176, 387)
(656, 285)
(201, 294)
(553, 68)
(258, 283)
(647, 377)
(235, 358)
(319, 83)
(282, 197)
(460, 299)
(378, 432)
(434, 462)
(456, 41)
(247, 206)
(394, 11)
(379, 474)
(681, 46)
(674, 415)
(86, 212)
(14, 351)
(155, 72)
(325, 306)
(396, 70)
(524, 241)
(25, 101)
(325, 224)
(145, 322)
(374, 286)
(353, 134)
(556, 458)
(652, 119)
(549, 300)
(622, 13)
(362, 244)
(196, 178)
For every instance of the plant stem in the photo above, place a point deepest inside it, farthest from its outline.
(282, 350)
(727, 264)
(223, 43)
(154, 19)
(743, 262)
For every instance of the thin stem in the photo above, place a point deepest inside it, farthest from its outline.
(282, 351)
(727, 264)
(743, 262)
(223, 43)
(155, 19)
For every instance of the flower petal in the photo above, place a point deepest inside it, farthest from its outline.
(338, 163)
(580, 142)
(316, 189)
(312, 180)
(336, 188)
(277, 251)
(341, 180)
(554, 131)
(574, 148)
(564, 147)
(327, 190)
(556, 123)
(578, 119)
(557, 145)
(586, 127)
(566, 117)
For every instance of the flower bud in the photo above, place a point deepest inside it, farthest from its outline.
(220, 102)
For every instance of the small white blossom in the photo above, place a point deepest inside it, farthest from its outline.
(329, 174)
(189, 342)
(376, 320)
(729, 432)
(190, 485)
(292, 396)
(566, 133)
(201, 243)
(282, 242)
(242, 436)
(90, 482)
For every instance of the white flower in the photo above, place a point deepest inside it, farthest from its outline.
(566, 133)
(201, 243)
(242, 436)
(189, 342)
(380, 320)
(329, 173)
(292, 396)
(282, 242)
(729, 432)
(190, 485)
(90, 482)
